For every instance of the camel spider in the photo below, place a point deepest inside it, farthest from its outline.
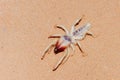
(68, 40)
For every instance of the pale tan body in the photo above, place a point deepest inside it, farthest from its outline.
(74, 36)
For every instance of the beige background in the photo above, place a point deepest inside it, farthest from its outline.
(26, 24)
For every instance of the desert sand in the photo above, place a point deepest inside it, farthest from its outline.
(26, 24)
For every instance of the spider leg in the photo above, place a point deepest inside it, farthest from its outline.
(73, 50)
(47, 49)
(79, 45)
(63, 28)
(55, 36)
(79, 20)
(76, 23)
(90, 33)
(83, 54)
(72, 46)
(66, 58)
(60, 61)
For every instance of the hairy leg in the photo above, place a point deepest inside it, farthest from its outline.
(90, 33)
(47, 49)
(83, 54)
(76, 23)
(60, 61)
(79, 45)
(55, 36)
(63, 28)
(73, 49)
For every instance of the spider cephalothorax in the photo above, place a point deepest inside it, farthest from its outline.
(68, 40)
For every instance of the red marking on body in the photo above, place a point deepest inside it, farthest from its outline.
(59, 48)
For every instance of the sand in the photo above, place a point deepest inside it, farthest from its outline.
(26, 24)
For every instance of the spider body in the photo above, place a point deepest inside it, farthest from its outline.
(69, 40)
(65, 41)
